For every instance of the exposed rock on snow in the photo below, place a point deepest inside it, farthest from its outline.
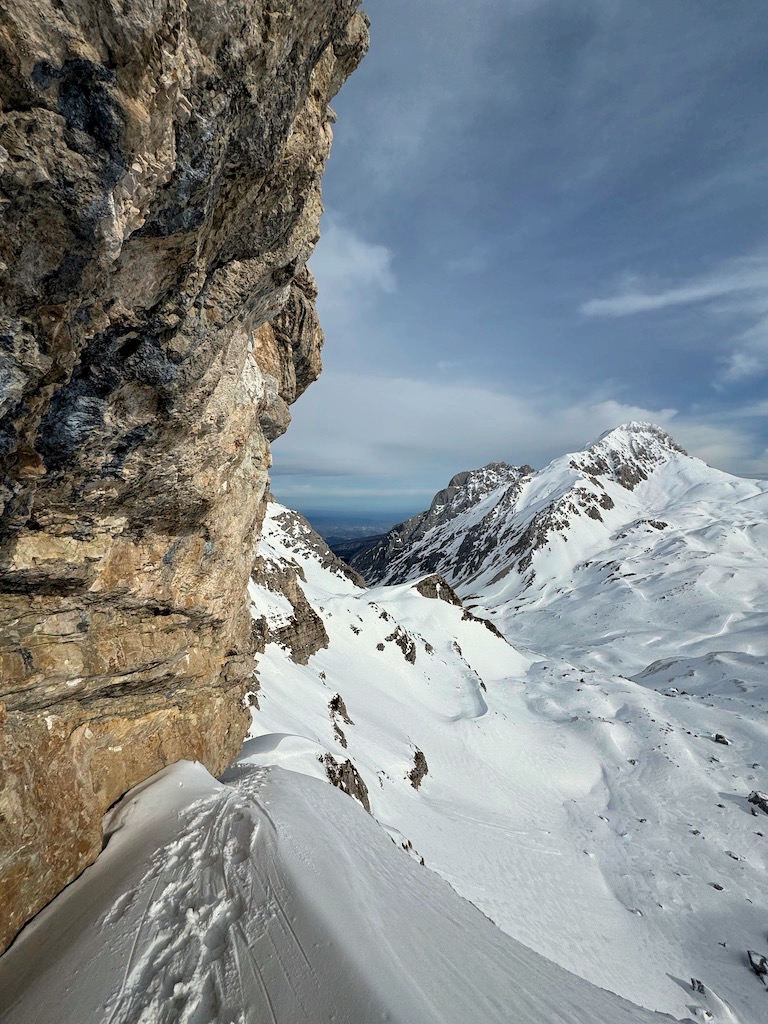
(161, 169)
(298, 535)
(627, 454)
(758, 963)
(435, 587)
(301, 630)
(491, 626)
(419, 770)
(347, 778)
(337, 707)
(404, 641)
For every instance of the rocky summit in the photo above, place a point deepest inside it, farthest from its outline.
(160, 169)
(622, 546)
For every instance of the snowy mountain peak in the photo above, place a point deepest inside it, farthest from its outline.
(487, 476)
(517, 532)
(627, 454)
(467, 488)
(465, 494)
(628, 433)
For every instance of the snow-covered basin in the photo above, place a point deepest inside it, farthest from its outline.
(584, 813)
(271, 897)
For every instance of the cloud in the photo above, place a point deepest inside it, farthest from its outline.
(402, 436)
(748, 277)
(476, 260)
(418, 88)
(738, 289)
(750, 358)
(505, 161)
(350, 270)
(756, 409)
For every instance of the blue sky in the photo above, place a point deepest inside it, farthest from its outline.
(543, 218)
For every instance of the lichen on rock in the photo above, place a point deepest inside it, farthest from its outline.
(160, 168)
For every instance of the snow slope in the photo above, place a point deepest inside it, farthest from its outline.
(591, 816)
(270, 897)
(586, 789)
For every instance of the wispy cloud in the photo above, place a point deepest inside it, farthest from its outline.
(738, 289)
(350, 269)
(755, 409)
(418, 433)
(748, 277)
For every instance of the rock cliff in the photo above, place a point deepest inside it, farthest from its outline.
(160, 165)
(303, 633)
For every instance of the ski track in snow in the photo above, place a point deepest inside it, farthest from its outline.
(239, 917)
(207, 911)
(211, 931)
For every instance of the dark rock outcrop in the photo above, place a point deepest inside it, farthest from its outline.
(160, 169)
(404, 641)
(436, 588)
(305, 634)
(347, 778)
(419, 770)
(338, 709)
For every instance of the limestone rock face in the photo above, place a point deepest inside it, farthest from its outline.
(160, 165)
(305, 634)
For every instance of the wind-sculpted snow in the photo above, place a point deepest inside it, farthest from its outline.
(272, 899)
